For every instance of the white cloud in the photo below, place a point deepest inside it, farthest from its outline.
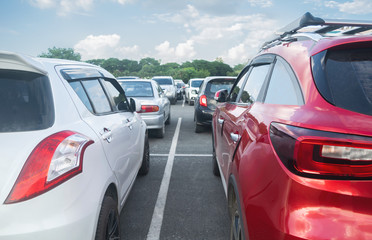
(261, 3)
(123, 2)
(64, 7)
(183, 51)
(353, 7)
(104, 46)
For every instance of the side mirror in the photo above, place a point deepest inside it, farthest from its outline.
(221, 95)
(135, 105)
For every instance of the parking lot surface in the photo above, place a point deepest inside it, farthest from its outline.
(180, 198)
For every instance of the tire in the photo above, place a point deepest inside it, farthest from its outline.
(159, 133)
(145, 167)
(169, 119)
(236, 231)
(191, 103)
(108, 227)
(198, 128)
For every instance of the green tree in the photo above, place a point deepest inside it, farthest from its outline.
(62, 53)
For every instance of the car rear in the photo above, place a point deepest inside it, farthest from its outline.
(317, 158)
(48, 172)
(205, 103)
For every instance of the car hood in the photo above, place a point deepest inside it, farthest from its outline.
(15, 149)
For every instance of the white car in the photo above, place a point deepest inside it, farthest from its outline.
(168, 86)
(192, 90)
(155, 106)
(71, 146)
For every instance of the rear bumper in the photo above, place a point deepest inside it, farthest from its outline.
(153, 121)
(203, 116)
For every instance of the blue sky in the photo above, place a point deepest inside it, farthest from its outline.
(167, 30)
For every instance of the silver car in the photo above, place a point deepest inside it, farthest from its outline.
(168, 86)
(71, 146)
(155, 106)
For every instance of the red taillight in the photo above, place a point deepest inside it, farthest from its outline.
(203, 101)
(149, 108)
(53, 161)
(322, 154)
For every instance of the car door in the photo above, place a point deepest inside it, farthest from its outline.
(233, 117)
(164, 102)
(118, 129)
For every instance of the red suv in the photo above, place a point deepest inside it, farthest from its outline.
(292, 140)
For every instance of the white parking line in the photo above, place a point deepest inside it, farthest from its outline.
(180, 155)
(157, 216)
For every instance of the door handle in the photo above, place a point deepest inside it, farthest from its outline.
(107, 135)
(220, 121)
(129, 123)
(235, 137)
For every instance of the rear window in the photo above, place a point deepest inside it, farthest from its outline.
(216, 85)
(196, 83)
(26, 102)
(163, 81)
(137, 89)
(344, 78)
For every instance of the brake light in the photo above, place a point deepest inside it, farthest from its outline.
(149, 108)
(322, 154)
(203, 101)
(53, 161)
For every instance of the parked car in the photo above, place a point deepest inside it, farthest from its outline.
(205, 104)
(71, 147)
(180, 88)
(168, 86)
(155, 106)
(192, 90)
(292, 140)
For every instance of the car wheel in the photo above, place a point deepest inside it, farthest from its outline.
(160, 132)
(145, 167)
(198, 128)
(108, 227)
(236, 223)
(169, 119)
(190, 103)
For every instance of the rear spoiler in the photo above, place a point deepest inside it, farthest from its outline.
(14, 61)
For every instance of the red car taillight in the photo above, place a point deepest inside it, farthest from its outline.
(203, 101)
(320, 154)
(53, 161)
(149, 108)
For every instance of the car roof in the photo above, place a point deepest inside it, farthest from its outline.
(219, 77)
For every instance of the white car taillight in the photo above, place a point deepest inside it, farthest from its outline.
(53, 161)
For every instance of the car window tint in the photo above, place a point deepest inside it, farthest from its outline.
(254, 83)
(344, 77)
(97, 96)
(117, 96)
(26, 101)
(196, 83)
(164, 81)
(235, 91)
(78, 88)
(137, 89)
(283, 86)
(215, 85)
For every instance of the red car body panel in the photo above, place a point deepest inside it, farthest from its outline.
(276, 203)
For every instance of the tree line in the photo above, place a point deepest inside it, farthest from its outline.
(149, 67)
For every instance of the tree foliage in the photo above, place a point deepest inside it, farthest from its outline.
(149, 67)
(61, 53)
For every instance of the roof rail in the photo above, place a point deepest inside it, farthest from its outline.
(310, 24)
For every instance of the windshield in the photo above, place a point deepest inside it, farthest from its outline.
(196, 83)
(137, 89)
(26, 101)
(163, 81)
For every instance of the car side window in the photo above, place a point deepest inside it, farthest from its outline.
(120, 101)
(78, 88)
(97, 96)
(254, 83)
(236, 89)
(283, 87)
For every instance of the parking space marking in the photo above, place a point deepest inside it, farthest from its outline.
(180, 155)
(157, 217)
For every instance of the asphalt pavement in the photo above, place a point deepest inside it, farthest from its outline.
(180, 198)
